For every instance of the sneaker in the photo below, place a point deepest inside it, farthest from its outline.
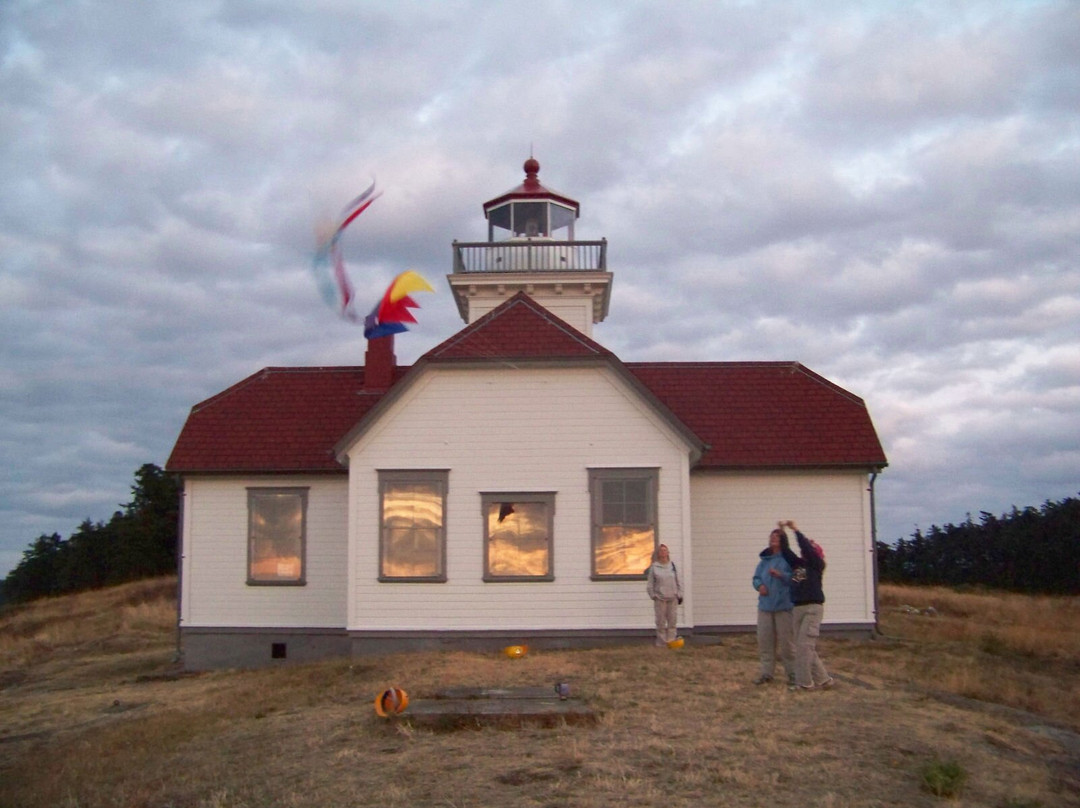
(800, 688)
(828, 684)
(762, 680)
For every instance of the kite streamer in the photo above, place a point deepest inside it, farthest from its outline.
(329, 265)
(392, 312)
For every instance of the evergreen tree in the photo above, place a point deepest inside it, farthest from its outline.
(1029, 550)
(137, 542)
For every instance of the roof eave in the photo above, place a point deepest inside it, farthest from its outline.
(233, 471)
(870, 466)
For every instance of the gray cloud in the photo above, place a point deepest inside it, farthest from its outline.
(890, 195)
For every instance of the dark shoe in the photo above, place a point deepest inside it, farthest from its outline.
(762, 680)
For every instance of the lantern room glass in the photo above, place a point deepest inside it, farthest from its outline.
(531, 219)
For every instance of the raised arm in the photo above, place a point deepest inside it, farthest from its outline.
(810, 557)
(786, 551)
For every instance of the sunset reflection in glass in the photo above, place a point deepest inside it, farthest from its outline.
(624, 550)
(624, 529)
(412, 526)
(276, 529)
(519, 544)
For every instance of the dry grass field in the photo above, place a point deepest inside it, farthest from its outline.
(94, 713)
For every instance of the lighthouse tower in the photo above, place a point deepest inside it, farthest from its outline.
(531, 249)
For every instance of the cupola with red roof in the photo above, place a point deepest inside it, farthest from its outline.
(531, 211)
(531, 248)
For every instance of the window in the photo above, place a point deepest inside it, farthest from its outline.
(412, 526)
(277, 519)
(623, 521)
(518, 531)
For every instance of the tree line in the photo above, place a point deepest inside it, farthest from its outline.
(1034, 550)
(137, 542)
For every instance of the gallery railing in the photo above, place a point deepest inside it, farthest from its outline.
(530, 255)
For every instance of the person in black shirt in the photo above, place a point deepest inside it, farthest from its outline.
(808, 598)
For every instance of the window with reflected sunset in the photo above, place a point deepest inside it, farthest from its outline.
(412, 544)
(624, 521)
(518, 531)
(276, 535)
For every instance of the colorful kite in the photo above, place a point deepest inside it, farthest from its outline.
(392, 312)
(329, 266)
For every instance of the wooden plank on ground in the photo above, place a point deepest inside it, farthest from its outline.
(461, 713)
(497, 693)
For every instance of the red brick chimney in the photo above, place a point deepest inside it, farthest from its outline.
(379, 363)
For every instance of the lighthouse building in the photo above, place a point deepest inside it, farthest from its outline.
(512, 484)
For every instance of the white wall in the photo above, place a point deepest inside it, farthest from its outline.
(512, 429)
(214, 565)
(733, 513)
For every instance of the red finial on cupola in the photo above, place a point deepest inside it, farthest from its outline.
(532, 168)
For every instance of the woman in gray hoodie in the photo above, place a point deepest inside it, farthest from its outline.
(665, 589)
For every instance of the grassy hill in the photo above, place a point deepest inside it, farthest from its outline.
(981, 686)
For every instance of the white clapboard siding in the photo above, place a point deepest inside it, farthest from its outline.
(733, 513)
(515, 430)
(214, 564)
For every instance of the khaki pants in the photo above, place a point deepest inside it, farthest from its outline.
(809, 669)
(774, 633)
(667, 616)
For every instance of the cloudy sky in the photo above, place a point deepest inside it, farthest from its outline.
(888, 193)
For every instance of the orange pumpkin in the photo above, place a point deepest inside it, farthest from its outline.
(391, 702)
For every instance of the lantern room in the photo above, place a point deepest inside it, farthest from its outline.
(531, 211)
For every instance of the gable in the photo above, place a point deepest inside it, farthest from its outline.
(520, 328)
(520, 333)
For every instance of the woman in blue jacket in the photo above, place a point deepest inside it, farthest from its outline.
(772, 580)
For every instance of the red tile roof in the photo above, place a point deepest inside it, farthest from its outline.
(279, 419)
(765, 414)
(748, 414)
(520, 328)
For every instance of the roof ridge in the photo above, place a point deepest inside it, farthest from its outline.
(228, 391)
(678, 363)
(302, 368)
(816, 377)
(262, 373)
(519, 299)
